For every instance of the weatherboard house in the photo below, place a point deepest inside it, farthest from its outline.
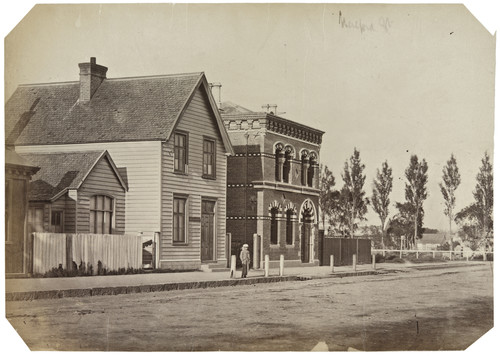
(141, 155)
(273, 185)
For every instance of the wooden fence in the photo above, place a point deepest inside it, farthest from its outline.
(51, 250)
(343, 249)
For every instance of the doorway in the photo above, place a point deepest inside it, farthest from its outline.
(207, 230)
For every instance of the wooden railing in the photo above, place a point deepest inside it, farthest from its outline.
(447, 253)
(51, 250)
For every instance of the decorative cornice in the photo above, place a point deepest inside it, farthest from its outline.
(273, 123)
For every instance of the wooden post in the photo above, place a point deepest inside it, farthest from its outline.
(484, 256)
(467, 256)
(383, 253)
(417, 254)
(69, 252)
(266, 265)
(373, 262)
(354, 258)
(331, 262)
(228, 249)
(282, 265)
(256, 254)
(233, 266)
(450, 255)
(433, 254)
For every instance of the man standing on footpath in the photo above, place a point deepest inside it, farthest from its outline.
(245, 260)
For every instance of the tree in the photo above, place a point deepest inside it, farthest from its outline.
(382, 187)
(326, 184)
(403, 223)
(356, 203)
(339, 220)
(416, 192)
(451, 181)
(476, 220)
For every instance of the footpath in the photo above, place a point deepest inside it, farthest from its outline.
(63, 287)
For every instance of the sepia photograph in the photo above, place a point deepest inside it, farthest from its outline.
(255, 177)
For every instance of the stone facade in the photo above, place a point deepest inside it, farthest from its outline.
(272, 186)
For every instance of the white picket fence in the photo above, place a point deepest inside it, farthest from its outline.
(50, 250)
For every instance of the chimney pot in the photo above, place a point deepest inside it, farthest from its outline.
(92, 60)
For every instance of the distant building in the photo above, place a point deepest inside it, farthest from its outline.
(431, 241)
(273, 184)
(164, 134)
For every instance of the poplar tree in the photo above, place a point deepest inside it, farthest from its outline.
(354, 180)
(382, 187)
(451, 181)
(416, 191)
(326, 184)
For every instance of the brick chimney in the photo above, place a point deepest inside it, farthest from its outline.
(91, 76)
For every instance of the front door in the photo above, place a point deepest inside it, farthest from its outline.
(207, 230)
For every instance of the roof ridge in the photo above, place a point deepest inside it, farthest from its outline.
(115, 79)
(158, 76)
(48, 84)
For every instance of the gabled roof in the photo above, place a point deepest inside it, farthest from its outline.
(60, 172)
(123, 109)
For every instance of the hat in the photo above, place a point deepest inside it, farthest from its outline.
(245, 245)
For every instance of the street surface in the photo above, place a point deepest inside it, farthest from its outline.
(431, 309)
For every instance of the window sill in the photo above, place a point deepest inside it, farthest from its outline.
(274, 246)
(181, 173)
(180, 244)
(209, 177)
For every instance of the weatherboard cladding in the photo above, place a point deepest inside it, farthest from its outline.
(141, 160)
(125, 109)
(199, 121)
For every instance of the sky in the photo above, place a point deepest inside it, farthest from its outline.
(390, 80)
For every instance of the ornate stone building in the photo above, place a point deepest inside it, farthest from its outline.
(272, 185)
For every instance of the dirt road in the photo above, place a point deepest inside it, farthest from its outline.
(443, 309)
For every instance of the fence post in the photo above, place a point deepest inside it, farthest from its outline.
(417, 254)
(450, 255)
(266, 265)
(433, 254)
(484, 255)
(467, 256)
(373, 262)
(233, 266)
(354, 258)
(282, 265)
(331, 262)
(383, 253)
(228, 249)
(69, 252)
(256, 254)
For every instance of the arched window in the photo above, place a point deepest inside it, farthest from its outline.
(274, 226)
(101, 214)
(287, 165)
(279, 158)
(305, 167)
(289, 227)
(311, 169)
